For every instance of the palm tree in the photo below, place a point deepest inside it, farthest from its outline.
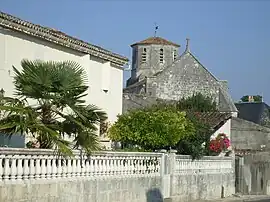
(56, 90)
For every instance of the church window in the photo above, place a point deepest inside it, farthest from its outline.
(161, 56)
(144, 55)
(174, 54)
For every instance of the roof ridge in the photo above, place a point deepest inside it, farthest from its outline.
(155, 40)
(59, 37)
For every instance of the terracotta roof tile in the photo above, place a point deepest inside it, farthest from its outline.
(155, 40)
(213, 119)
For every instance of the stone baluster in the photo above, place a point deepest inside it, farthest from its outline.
(74, 167)
(64, 168)
(91, 165)
(134, 165)
(132, 168)
(99, 164)
(48, 166)
(6, 167)
(105, 166)
(78, 167)
(126, 165)
(102, 165)
(83, 166)
(122, 165)
(151, 166)
(87, 167)
(32, 168)
(108, 165)
(59, 167)
(20, 167)
(43, 169)
(139, 164)
(113, 165)
(38, 167)
(128, 169)
(54, 167)
(1, 167)
(26, 167)
(69, 168)
(13, 169)
(117, 165)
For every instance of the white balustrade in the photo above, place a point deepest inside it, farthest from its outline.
(32, 164)
(185, 165)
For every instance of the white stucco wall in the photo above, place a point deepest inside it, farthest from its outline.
(225, 128)
(102, 76)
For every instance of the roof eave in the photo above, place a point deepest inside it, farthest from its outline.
(148, 44)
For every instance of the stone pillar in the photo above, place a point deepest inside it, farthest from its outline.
(167, 170)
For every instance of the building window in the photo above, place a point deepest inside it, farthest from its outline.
(144, 55)
(174, 54)
(161, 56)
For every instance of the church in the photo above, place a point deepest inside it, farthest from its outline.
(160, 72)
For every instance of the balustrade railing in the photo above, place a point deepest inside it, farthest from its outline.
(27, 164)
(211, 164)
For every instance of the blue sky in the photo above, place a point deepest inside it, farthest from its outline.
(230, 37)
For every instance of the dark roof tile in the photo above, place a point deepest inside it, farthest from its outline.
(251, 111)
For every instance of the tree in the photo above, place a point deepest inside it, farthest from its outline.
(56, 90)
(257, 98)
(197, 102)
(193, 145)
(151, 128)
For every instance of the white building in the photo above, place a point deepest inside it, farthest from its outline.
(20, 39)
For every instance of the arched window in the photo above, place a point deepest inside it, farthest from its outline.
(144, 55)
(161, 56)
(174, 54)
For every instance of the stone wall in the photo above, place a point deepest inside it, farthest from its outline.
(253, 174)
(39, 175)
(152, 64)
(184, 78)
(201, 184)
(246, 135)
(106, 189)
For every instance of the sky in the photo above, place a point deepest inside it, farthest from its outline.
(231, 38)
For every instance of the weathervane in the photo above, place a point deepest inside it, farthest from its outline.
(156, 28)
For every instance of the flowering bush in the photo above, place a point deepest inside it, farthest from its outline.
(32, 144)
(220, 143)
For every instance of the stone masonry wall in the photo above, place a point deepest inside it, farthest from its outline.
(38, 175)
(192, 187)
(246, 135)
(184, 78)
(109, 189)
(152, 64)
(253, 174)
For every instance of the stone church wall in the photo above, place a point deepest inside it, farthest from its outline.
(183, 79)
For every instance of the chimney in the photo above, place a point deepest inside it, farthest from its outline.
(250, 98)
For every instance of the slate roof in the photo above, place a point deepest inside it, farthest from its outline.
(226, 104)
(60, 38)
(155, 40)
(251, 111)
